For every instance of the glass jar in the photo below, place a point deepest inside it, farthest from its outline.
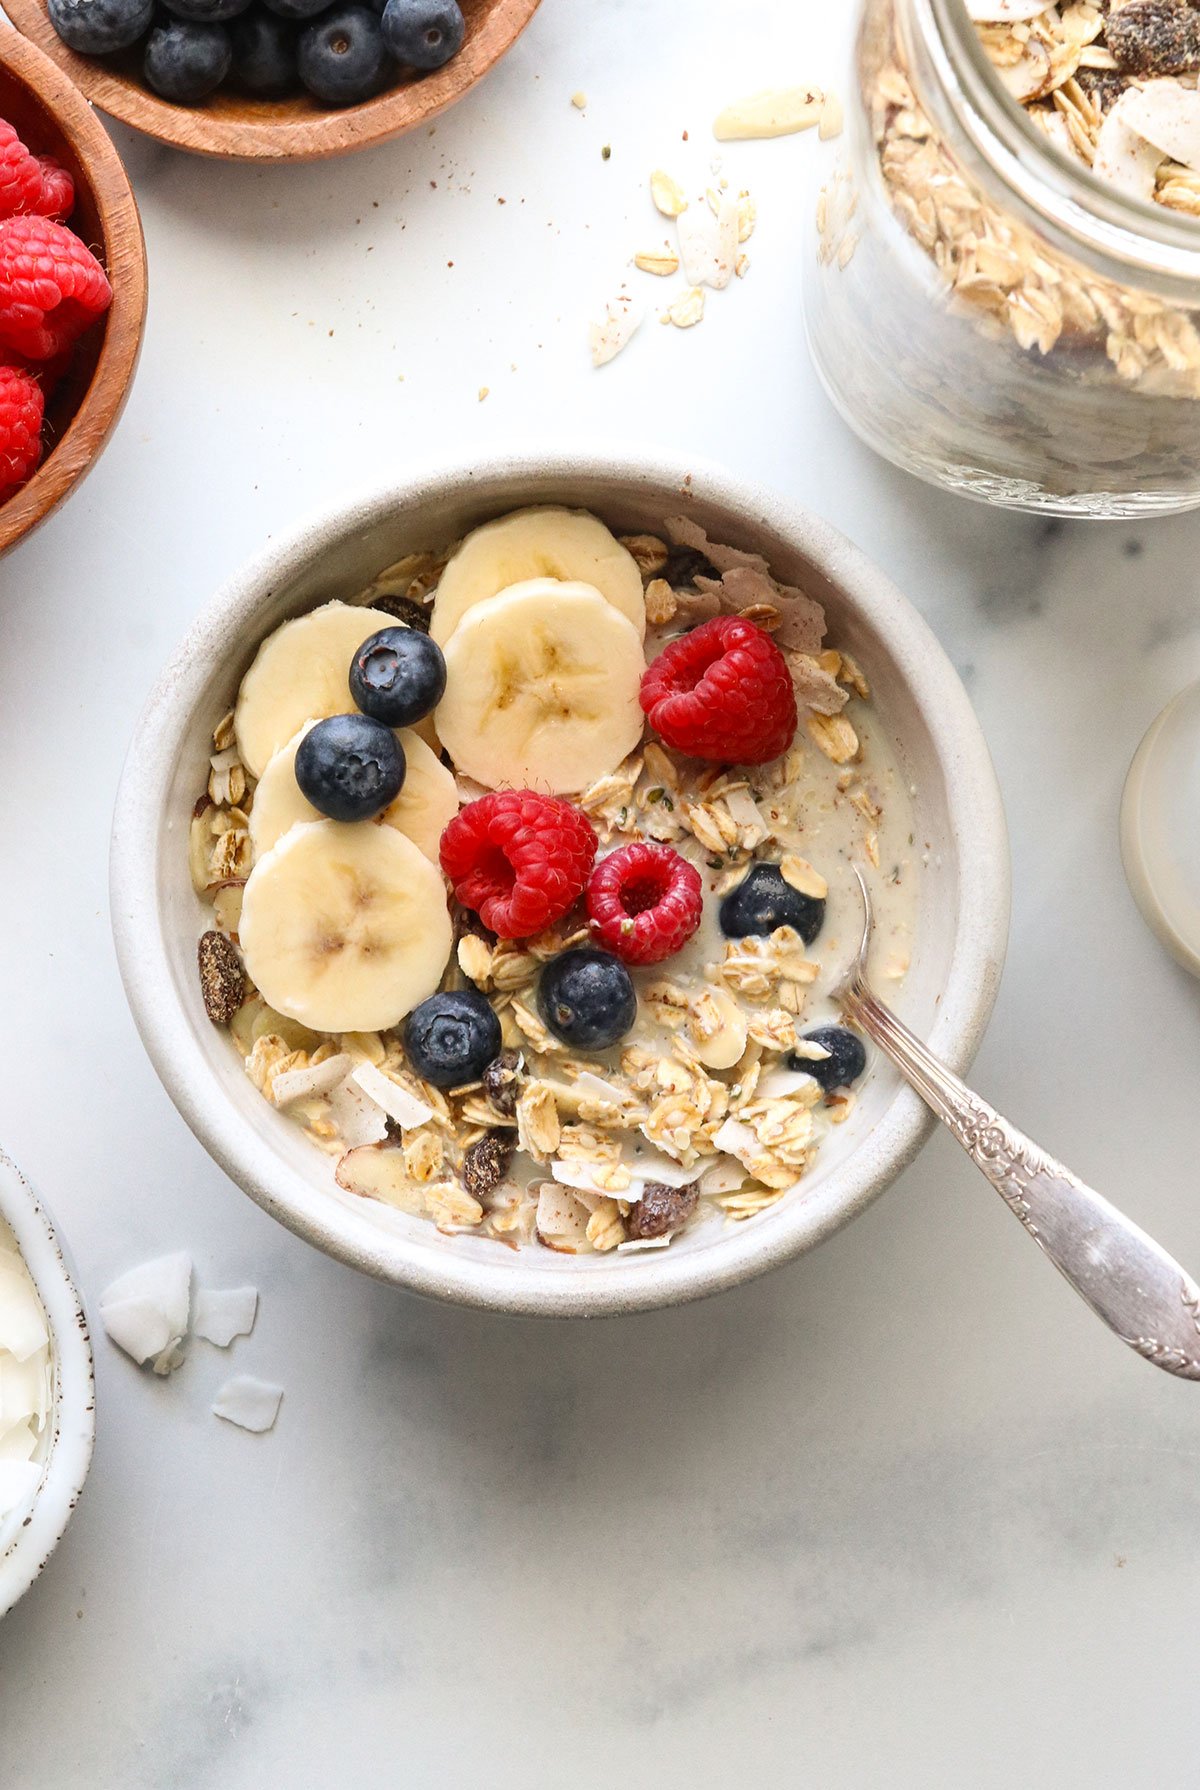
(983, 310)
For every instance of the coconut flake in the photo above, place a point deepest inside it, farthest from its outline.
(737, 1139)
(22, 1321)
(18, 1442)
(139, 1327)
(778, 1083)
(249, 1403)
(650, 1165)
(310, 1082)
(636, 1243)
(708, 245)
(223, 1313)
(360, 1119)
(397, 1102)
(24, 1390)
(619, 324)
(592, 1087)
(165, 1283)
(1123, 159)
(1167, 116)
(18, 1482)
(722, 1177)
(561, 1219)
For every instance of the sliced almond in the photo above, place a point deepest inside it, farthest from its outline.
(380, 1173)
(667, 194)
(778, 112)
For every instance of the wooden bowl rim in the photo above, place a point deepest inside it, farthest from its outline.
(83, 440)
(311, 138)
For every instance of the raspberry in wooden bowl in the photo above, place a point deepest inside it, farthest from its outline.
(241, 117)
(63, 383)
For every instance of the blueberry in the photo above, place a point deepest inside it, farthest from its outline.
(95, 27)
(423, 34)
(762, 901)
(342, 58)
(845, 1063)
(451, 1038)
(185, 62)
(397, 676)
(350, 767)
(264, 54)
(206, 12)
(587, 998)
(296, 9)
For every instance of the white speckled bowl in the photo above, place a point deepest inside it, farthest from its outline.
(157, 918)
(25, 1546)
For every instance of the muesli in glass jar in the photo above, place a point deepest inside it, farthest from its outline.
(1005, 292)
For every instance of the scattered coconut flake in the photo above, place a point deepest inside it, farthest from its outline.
(723, 1177)
(737, 1139)
(359, 1119)
(249, 1403)
(651, 1165)
(620, 324)
(562, 1220)
(145, 1310)
(580, 1177)
(593, 1087)
(311, 1081)
(223, 1313)
(777, 1083)
(778, 112)
(1168, 116)
(139, 1327)
(708, 245)
(397, 1102)
(1123, 158)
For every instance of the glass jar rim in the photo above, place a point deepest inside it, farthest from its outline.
(1061, 197)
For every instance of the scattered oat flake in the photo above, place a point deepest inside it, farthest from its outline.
(249, 1403)
(667, 194)
(778, 112)
(483, 392)
(688, 309)
(620, 324)
(657, 261)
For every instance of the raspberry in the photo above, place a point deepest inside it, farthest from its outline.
(57, 196)
(520, 860)
(51, 286)
(644, 902)
(20, 174)
(722, 692)
(20, 426)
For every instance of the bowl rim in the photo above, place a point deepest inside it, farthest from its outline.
(979, 835)
(73, 1436)
(326, 133)
(87, 434)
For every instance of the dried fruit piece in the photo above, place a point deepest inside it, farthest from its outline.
(661, 1210)
(1154, 37)
(502, 1081)
(222, 978)
(486, 1163)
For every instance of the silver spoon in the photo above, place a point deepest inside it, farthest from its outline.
(1128, 1280)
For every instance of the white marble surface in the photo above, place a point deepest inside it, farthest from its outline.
(901, 1515)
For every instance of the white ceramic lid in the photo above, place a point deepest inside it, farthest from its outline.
(1160, 828)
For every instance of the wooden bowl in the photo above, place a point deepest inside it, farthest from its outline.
(237, 128)
(53, 118)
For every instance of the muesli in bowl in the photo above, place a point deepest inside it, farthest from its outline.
(530, 887)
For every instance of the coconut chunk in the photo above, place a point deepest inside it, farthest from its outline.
(310, 1082)
(1123, 158)
(1168, 116)
(165, 1283)
(22, 1320)
(249, 1403)
(397, 1102)
(359, 1119)
(223, 1313)
(139, 1327)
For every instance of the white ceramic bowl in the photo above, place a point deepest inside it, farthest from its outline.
(157, 918)
(66, 1448)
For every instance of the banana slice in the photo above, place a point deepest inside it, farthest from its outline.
(542, 688)
(345, 928)
(425, 805)
(544, 543)
(301, 673)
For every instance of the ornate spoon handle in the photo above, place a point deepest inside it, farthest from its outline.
(1128, 1280)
